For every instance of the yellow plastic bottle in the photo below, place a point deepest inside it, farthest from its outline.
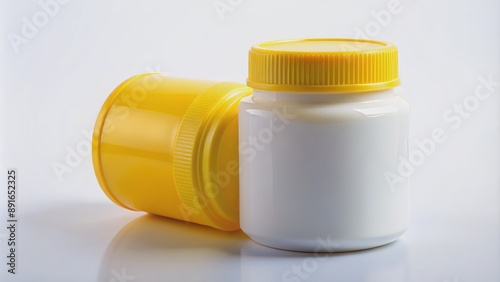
(168, 146)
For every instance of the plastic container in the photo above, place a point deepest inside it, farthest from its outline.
(168, 146)
(319, 139)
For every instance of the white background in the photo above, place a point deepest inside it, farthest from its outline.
(53, 84)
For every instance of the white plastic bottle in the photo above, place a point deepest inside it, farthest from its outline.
(320, 142)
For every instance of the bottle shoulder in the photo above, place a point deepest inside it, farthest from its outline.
(343, 108)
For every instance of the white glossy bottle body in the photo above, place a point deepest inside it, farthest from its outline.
(315, 169)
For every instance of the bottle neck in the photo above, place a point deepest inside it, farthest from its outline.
(263, 96)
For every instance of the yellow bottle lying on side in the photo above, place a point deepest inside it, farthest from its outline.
(168, 146)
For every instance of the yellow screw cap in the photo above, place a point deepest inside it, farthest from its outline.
(323, 65)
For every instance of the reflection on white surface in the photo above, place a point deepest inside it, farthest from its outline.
(152, 248)
(386, 263)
